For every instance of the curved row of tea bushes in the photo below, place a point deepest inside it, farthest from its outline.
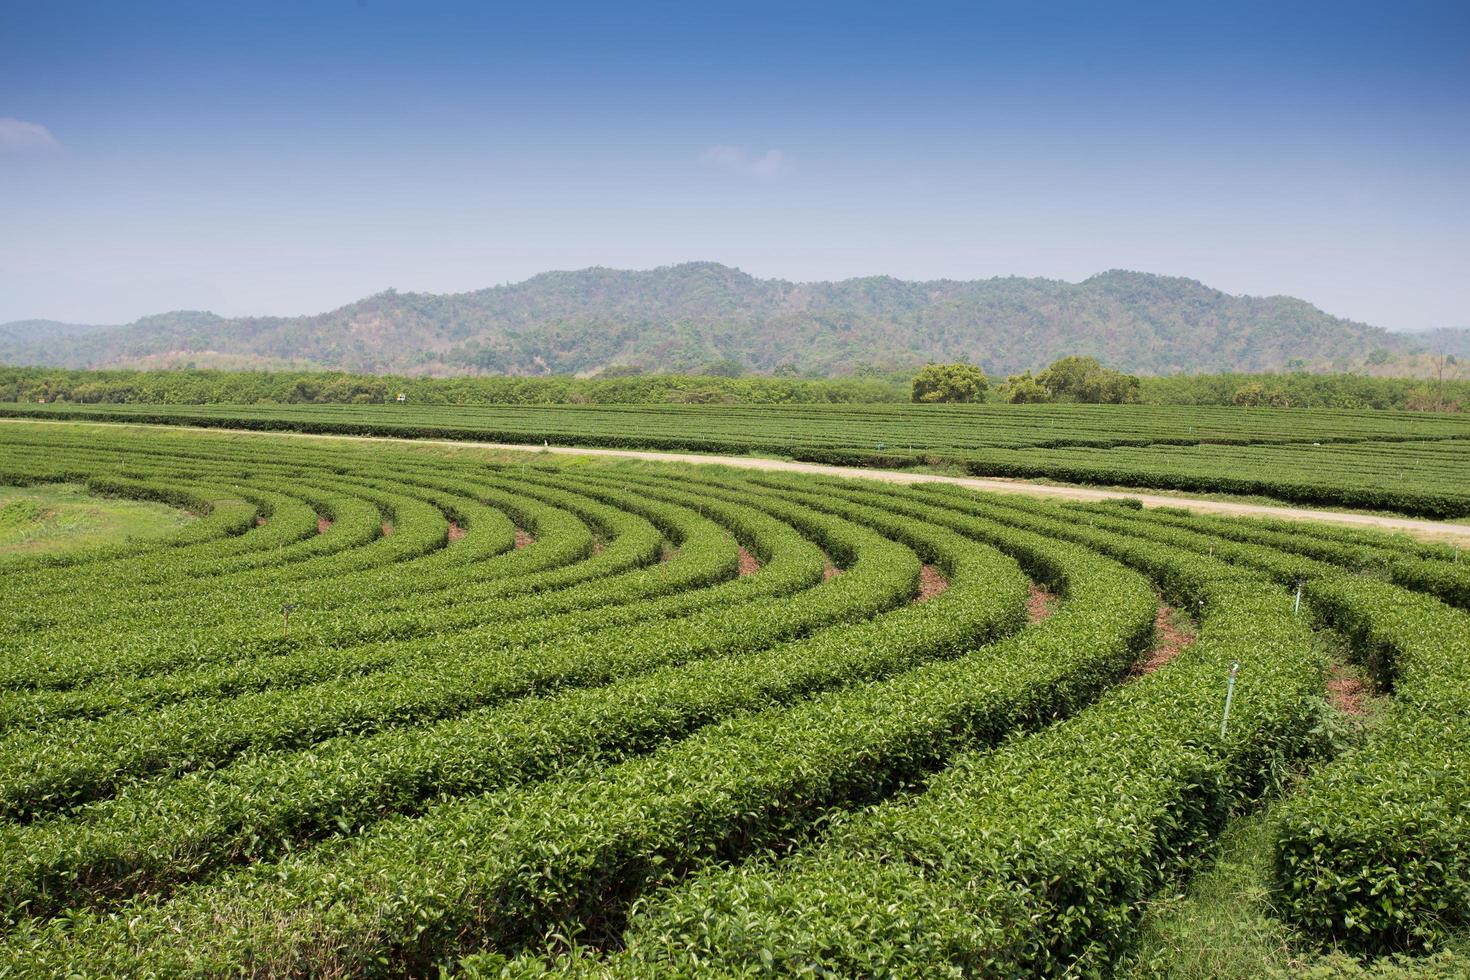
(1031, 859)
(333, 648)
(1432, 569)
(1371, 852)
(155, 834)
(553, 561)
(556, 718)
(72, 761)
(1370, 848)
(504, 867)
(690, 582)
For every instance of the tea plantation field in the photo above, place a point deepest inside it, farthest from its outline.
(391, 710)
(1410, 462)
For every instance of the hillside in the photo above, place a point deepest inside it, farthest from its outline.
(685, 317)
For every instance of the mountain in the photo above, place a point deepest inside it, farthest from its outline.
(686, 317)
(1446, 340)
(22, 332)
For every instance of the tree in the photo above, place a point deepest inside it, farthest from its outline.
(1023, 389)
(1064, 377)
(1084, 379)
(1107, 387)
(1257, 395)
(949, 383)
(1441, 361)
(725, 368)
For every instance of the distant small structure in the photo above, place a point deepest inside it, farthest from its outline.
(402, 398)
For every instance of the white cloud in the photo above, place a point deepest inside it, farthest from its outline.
(19, 136)
(739, 160)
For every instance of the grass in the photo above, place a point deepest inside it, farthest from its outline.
(1221, 924)
(1221, 927)
(61, 517)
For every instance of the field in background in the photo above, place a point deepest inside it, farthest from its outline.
(1409, 462)
(382, 708)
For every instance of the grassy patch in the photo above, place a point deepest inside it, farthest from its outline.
(61, 517)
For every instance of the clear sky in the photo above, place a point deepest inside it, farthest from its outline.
(255, 157)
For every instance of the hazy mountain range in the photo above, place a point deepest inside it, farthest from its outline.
(687, 317)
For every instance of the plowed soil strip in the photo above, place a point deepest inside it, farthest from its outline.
(323, 525)
(931, 583)
(523, 538)
(1347, 693)
(749, 564)
(1169, 640)
(455, 532)
(1039, 604)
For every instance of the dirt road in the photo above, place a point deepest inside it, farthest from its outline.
(1430, 530)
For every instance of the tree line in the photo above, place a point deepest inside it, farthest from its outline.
(1070, 379)
(1085, 380)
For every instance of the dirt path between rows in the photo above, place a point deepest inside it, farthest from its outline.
(1169, 642)
(1347, 692)
(1040, 603)
(931, 583)
(1430, 530)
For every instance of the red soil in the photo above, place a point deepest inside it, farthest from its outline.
(749, 564)
(523, 538)
(260, 520)
(830, 572)
(387, 529)
(455, 532)
(1348, 694)
(1168, 642)
(1040, 604)
(323, 525)
(931, 583)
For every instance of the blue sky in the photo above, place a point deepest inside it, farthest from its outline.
(288, 158)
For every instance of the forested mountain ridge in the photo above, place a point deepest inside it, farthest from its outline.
(687, 317)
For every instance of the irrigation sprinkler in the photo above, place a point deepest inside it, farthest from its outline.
(1229, 697)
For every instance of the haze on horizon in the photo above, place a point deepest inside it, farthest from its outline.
(273, 158)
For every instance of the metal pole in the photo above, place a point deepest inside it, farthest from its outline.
(1229, 696)
(1296, 608)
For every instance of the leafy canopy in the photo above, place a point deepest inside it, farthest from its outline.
(1023, 389)
(949, 383)
(1084, 379)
